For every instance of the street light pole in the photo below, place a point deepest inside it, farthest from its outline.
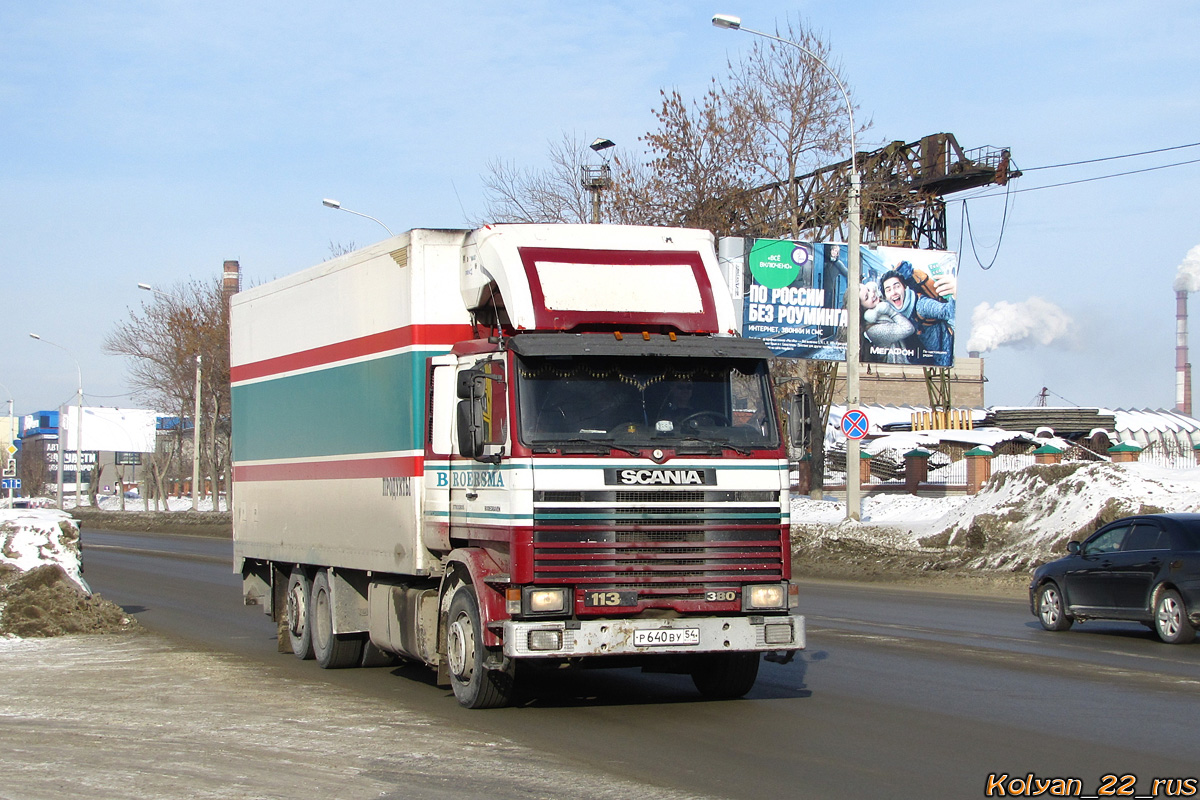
(335, 204)
(12, 429)
(196, 421)
(853, 310)
(78, 431)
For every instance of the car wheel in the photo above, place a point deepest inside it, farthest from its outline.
(1052, 613)
(476, 683)
(297, 614)
(1171, 620)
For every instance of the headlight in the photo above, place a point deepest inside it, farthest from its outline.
(545, 601)
(768, 596)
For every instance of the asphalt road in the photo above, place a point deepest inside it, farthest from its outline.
(900, 694)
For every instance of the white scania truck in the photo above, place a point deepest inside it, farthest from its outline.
(476, 449)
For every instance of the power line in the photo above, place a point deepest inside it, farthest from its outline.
(1088, 180)
(1113, 158)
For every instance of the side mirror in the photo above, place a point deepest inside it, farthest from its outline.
(481, 412)
(1073, 548)
(470, 428)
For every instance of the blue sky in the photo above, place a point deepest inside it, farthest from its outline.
(150, 141)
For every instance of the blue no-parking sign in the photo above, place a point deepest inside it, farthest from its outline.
(855, 424)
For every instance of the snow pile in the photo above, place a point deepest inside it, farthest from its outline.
(41, 591)
(1019, 519)
(32, 538)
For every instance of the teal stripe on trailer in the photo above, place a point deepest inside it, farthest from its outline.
(375, 406)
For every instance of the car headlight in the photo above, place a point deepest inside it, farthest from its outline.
(765, 596)
(545, 601)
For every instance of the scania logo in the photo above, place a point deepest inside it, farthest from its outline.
(660, 477)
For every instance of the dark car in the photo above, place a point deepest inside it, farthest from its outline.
(1144, 568)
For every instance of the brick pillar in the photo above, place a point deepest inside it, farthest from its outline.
(1047, 454)
(864, 467)
(1125, 452)
(979, 468)
(1196, 450)
(916, 469)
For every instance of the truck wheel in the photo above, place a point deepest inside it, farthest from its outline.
(724, 676)
(475, 685)
(296, 620)
(332, 651)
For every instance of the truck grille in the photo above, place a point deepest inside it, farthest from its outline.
(692, 540)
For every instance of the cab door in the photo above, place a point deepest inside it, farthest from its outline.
(479, 496)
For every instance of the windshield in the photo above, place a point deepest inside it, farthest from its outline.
(689, 405)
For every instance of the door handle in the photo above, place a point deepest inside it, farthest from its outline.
(472, 495)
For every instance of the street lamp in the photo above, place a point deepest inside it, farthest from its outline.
(595, 179)
(335, 204)
(78, 432)
(196, 421)
(853, 311)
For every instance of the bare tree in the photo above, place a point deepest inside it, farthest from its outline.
(161, 343)
(550, 194)
(339, 249)
(32, 467)
(775, 115)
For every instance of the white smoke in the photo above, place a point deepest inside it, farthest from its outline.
(1023, 325)
(1187, 279)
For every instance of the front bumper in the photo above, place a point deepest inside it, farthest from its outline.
(616, 636)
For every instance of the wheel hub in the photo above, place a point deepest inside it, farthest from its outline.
(1168, 617)
(460, 645)
(295, 612)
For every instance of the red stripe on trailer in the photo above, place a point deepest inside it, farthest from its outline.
(388, 467)
(406, 336)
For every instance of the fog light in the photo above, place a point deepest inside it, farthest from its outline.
(546, 601)
(778, 633)
(545, 640)
(769, 596)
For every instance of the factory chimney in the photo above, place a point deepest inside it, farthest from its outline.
(231, 279)
(1183, 370)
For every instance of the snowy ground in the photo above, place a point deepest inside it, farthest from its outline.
(111, 503)
(1019, 519)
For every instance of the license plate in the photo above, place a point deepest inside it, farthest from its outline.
(666, 637)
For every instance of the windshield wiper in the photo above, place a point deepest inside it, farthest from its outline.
(581, 445)
(712, 446)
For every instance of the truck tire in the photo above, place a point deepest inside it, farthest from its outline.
(296, 614)
(332, 651)
(725, 676)
(475, 685)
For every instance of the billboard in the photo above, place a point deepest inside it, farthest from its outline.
(793, 297)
